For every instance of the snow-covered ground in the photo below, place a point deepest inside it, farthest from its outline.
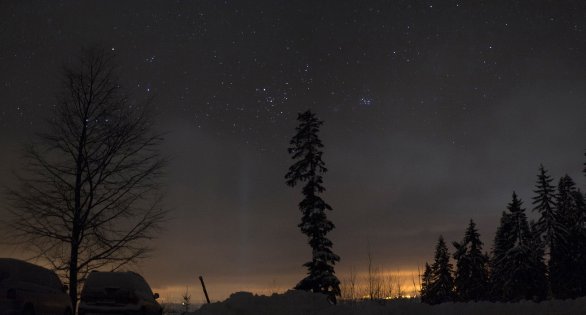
(303, 303)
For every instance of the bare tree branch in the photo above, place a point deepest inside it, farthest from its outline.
(89, 195)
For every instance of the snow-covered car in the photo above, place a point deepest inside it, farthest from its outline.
(118, 293)
(29, 289)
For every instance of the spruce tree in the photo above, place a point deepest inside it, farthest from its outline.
(548, 224)
(306, 150)
(539, 286)
(471, 277)
(425, 284)
(515, 266)
(441, 287)
(518, 267)
(501, 247)
(566, 201)
(563, 261)
(580, 246)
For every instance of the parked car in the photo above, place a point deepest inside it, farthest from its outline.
(118, 293)
(27, 289)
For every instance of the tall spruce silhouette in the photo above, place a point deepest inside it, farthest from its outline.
(539, 282)
(563, 263)
(471, 276)
(306, 150)
(570, 261)
(441, 286)
(519, 268)
(548, 225)
(501, 247)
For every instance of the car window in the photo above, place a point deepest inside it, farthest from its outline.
(100, 280)
(122, 280)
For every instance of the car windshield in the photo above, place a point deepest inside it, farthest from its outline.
(109, 280)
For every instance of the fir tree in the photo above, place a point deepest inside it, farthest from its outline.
(518, 266)
(441, 287)
(501, 247)
(580, 243)
(566, 201)
(471, 278)
(515, 264)
(563, 261)
(425, 284)
(548, 225)
(306, 150)
(539, 286)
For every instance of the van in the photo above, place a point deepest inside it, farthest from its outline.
(27, 289)
(118, 293)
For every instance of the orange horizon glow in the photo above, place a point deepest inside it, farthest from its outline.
(407, 278)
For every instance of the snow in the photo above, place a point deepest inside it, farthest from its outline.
(300, 302)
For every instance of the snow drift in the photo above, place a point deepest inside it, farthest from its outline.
(304, 303)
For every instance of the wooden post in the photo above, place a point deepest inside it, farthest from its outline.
(203, 285)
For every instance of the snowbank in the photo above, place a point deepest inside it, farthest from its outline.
(303, 303)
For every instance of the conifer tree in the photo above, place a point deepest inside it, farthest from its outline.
(471, 277)
(548, 225)
(441, 287)
(539, 285)
(580, 246)
(425, 284)
(519, 268)
(501, 247)
(566, 201)
(563, 257)
(516, 266)
(306, 149)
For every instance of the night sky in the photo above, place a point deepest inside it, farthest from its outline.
(435, 111)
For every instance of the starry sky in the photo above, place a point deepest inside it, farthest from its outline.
(435, 111)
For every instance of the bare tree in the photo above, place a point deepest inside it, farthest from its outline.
(349, 287)
(89, 196)
(186, 300)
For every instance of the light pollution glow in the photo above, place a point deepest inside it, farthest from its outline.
(218, 291)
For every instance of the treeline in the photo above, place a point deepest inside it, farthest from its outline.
(537, 260)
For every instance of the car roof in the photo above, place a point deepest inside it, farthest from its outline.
(17, 263)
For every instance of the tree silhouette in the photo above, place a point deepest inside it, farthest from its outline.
(88, 197)
(517, 265)
(563, 257)
(538, 282)
(305, 149)
(548, 224)
(186, 297)
(441, 287)
(501, 247)
(471, 276)
(426, 284)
